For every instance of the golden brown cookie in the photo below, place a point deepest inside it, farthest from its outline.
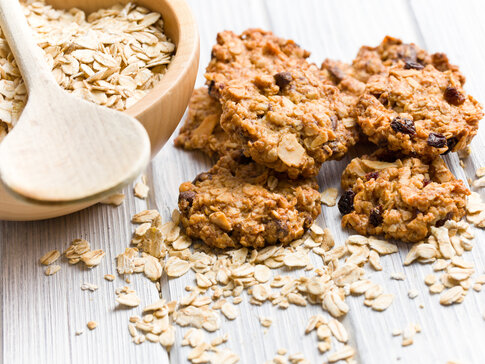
(238, 202)
(343, 75)
(253, 53)
(421, 112)
(202, 130)
(401, 199)
(351, 78)
(392, 51)
(280, 109)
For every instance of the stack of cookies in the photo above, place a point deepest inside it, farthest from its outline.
(273, 118)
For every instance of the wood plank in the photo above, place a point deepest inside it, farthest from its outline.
(337, 29)
(41, 314)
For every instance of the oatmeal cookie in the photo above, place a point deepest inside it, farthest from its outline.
(290, 131)
(343, 75)
(418, 112)
(202, 130)
(401, 199)
(351, 78)
(255, 52)
(375, 60)
(239, 202)
(280, 109)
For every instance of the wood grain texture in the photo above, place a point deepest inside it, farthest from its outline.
(40, 314)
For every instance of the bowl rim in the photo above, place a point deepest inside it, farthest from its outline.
(186, 50)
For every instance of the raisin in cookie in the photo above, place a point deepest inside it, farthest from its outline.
(255, 52)
(239, 202)
(375, 60)
(280, 109)
(293, 130)
(422, 112)
(351, 78)
(402, 199)
(202, 130)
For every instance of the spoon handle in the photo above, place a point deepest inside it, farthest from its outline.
(28, 55)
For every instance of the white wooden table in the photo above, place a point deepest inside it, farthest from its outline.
(41, 314)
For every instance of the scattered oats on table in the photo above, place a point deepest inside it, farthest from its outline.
(141, 189)
(480, 181)
(229, 310)
(50, 257)
(115, 199)
(80, 250)
(409, 332)
(127, 297)
(475, 208)
(413, 293)
(398, 276)
(281, 351)
(93, 257)
(329, 196)
(111, 57)
(265, 321)
(109, 277)
(345, 352)
(86, 286)
(52, 269)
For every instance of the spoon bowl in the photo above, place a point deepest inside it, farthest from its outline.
(66, 150)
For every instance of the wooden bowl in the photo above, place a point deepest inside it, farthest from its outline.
(159, 111)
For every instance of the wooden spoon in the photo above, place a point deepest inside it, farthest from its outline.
(63, 149)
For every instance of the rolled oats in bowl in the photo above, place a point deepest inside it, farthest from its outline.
(111, 57)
